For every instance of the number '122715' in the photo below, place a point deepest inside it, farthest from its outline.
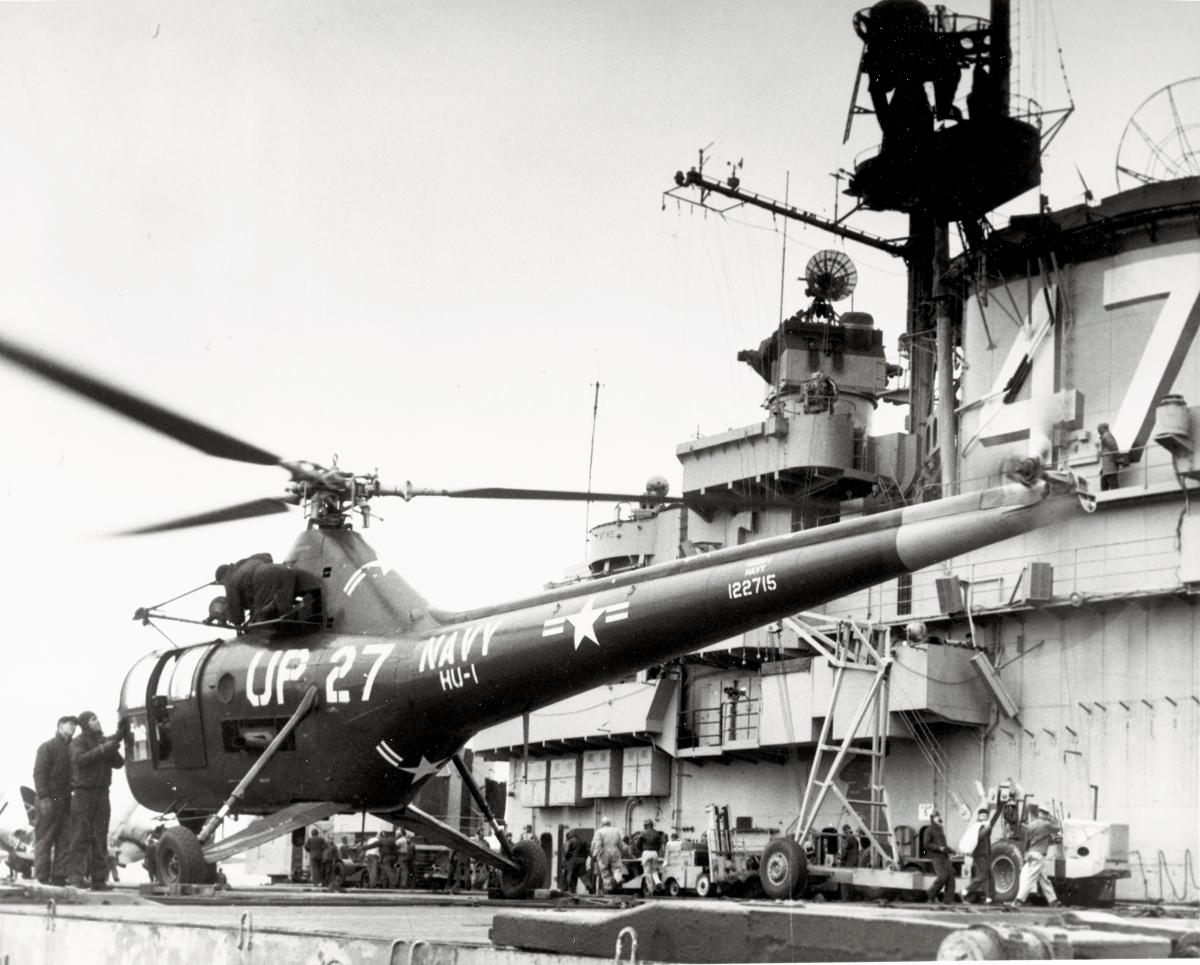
(752, 585)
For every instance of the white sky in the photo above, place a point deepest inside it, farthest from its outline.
(414, 235)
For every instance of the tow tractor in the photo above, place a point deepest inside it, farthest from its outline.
(1085, 861)
(715, 866)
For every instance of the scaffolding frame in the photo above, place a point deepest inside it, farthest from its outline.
(863, 648)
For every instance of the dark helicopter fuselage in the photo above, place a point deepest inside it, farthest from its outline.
(401, 686)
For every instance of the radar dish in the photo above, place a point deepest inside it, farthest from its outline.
(1161, 141)
(830, 275)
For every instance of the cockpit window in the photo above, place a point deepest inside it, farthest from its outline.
(183, 676)
(133, 694)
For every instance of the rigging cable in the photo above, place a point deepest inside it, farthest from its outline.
(591, 458)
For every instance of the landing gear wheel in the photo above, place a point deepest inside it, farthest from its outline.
(704, 886)
(1006, 870)
(783, 872)
(179, 859)
(531, 864)
(672, 888)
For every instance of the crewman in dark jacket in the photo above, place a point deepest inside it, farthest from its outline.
(52, 787)
(93, 759)
(575, 864)
(939, 852)
(980, 887)
(257, 583)
(1111, 458)
(847, 858)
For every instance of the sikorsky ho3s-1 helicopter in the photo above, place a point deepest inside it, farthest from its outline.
(364, 691)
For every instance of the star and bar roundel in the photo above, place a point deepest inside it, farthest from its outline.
(583, 624)
(423, 767)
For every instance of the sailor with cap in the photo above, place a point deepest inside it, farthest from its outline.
(52, 787)
(93, 759)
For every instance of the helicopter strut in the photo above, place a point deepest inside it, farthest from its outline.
(306, 704)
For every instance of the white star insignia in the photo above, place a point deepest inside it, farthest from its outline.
(584, 623)
(423, 769)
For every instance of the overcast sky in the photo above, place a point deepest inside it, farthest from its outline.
(414, 235)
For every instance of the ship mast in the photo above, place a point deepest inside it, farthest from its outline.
(938, 165)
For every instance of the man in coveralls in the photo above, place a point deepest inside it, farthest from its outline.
(93, 759)
(606, 855)
(52, 786)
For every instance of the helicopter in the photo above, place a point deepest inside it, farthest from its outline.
(363, 691)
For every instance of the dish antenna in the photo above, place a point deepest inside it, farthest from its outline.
(1161, 140)
(830, 276)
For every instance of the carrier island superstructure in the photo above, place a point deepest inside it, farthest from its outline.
(1090, 698)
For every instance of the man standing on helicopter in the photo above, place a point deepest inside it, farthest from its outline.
(257, 583)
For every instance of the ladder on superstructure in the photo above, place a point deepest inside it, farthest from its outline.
(852, 648)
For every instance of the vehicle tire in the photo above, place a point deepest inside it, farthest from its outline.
(783, 871)
(704, 886)
(179, 859)
(672, 888)
(337, 876)
(1006, 870)
(531, 870)
(647, 886)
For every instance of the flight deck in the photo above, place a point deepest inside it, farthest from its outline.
(295, 924)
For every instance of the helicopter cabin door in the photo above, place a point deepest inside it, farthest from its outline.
(173, 716)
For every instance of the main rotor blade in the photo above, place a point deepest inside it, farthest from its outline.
(715, 500)
(256, 507)
(150, 414)
(567, 495)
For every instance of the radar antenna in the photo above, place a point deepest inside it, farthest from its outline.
(830, 276)
(1161, 140)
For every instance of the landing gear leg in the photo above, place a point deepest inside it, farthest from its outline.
(306, 704)
(528, 864)
(481, 803)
